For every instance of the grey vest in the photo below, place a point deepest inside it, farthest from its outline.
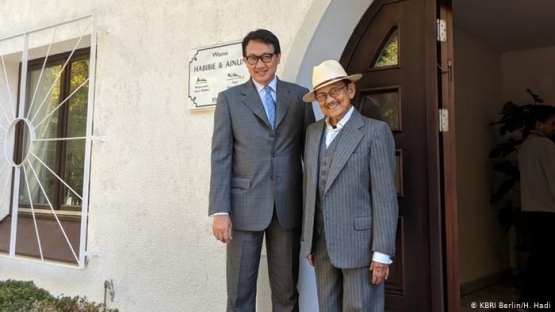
(325, 157)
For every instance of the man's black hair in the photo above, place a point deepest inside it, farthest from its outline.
(539, 113)
(262, 35)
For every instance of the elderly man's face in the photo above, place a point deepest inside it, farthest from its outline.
(336, 105)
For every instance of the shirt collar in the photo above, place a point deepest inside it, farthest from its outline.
(272, 84)
(537, 133)
(342, 122)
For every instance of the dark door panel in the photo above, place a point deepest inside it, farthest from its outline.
(391, 47)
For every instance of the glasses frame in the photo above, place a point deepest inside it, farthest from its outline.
(261, 58)
(336, 93)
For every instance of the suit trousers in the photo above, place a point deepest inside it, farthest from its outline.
(344, 290)
(539, 275)
(243, 259)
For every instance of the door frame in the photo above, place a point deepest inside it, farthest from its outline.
(449, 164)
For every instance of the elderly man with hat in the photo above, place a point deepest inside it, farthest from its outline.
(350, 202)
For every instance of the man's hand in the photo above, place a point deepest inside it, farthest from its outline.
(221, 228)
(379, 271)
(310, 259)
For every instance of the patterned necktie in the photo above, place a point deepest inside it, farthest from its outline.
(271, 105)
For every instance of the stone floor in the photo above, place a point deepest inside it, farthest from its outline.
(498, 297)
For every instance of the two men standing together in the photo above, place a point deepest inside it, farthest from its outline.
(350, 203)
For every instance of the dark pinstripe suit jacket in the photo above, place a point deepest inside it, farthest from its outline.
(254, 166)
(360, 200)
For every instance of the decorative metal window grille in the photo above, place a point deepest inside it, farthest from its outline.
(29, 122)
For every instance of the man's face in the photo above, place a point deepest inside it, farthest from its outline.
(547, 127)
(336, 107)
(261, 72)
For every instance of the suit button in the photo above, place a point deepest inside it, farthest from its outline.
(274, 155)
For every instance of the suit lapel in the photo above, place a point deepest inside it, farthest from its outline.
(284, 99)
(313, 138)
(348, 140)
(252, 101)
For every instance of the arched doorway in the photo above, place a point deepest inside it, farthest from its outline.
(394, 45)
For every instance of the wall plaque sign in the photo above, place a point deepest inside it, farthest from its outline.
(212, 70)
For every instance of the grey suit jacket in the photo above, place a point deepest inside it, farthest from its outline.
(253, 166)
(360, 201)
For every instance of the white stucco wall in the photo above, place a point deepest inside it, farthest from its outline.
(484, 248)
(149, 182)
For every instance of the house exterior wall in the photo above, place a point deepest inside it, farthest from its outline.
(149, 180)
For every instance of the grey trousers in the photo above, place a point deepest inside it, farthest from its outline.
(344, 290)
(243, 259)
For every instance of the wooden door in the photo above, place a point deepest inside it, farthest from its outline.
(396, 49)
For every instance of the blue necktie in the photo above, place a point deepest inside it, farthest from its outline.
(271, 105)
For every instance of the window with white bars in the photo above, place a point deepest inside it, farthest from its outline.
(46, 105)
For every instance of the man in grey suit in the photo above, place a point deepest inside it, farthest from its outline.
(256, 180)
(350, 206)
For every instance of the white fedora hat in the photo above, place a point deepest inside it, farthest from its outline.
(327, 73)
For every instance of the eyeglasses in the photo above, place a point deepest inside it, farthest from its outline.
(334, 93)
(253, 59)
